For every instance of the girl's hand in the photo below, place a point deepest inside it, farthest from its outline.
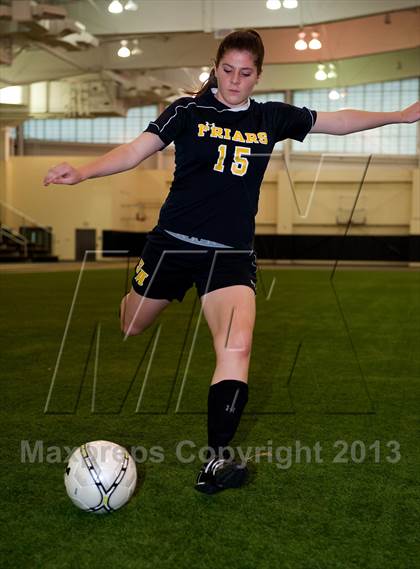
(63, 174)
(411, 114)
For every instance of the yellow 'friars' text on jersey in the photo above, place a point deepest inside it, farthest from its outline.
(226, 134)
(220, 159)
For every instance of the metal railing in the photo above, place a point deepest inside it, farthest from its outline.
(14, 236)
(21, 219)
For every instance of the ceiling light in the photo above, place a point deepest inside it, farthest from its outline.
(315, 43)
(136, 50)
(124, 51)
(115, 7)
(290, 4)
(320, 75)
(334, 95)
(273, 4)
(131, 6)
(204, 75)
(331, 72)
(301, 44)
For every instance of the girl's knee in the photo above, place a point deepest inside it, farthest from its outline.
(128, 330)
(237, 345)
(138, 313)
(131, 326)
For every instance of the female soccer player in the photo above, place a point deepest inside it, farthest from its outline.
(204, 235)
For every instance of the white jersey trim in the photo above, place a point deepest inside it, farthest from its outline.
(160, 129)
(312, 117)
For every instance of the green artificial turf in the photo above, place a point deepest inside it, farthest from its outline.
(333, 360)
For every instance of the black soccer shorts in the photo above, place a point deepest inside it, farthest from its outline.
(168, 267)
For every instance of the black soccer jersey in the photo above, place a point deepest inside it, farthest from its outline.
(220, 159)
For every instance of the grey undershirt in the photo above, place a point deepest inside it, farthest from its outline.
(197, 241)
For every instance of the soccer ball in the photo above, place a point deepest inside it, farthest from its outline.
(100, 477)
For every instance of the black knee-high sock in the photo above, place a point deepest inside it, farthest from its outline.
(226, 401)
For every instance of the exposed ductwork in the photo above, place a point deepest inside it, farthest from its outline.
(47, 43)
(26, 21)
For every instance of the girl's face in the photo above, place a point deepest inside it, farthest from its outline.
(236, 77)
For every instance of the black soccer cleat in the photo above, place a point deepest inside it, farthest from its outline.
(220, 474)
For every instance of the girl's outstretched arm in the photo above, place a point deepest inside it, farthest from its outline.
(120, 159)
(350, 120)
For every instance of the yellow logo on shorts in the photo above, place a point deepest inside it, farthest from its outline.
(141, 275)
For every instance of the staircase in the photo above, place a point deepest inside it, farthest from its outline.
(13, 245)
(27, 244)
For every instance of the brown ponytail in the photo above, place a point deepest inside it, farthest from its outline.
(241, 40)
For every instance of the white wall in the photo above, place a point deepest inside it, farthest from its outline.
(389, 201)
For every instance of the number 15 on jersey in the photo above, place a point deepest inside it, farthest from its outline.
(240, 163)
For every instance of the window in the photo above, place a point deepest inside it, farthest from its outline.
(386, 96)
(84, 131)
(138, 119)
(106, 130)
(68, 129)
(52, 127)
(264, 98)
